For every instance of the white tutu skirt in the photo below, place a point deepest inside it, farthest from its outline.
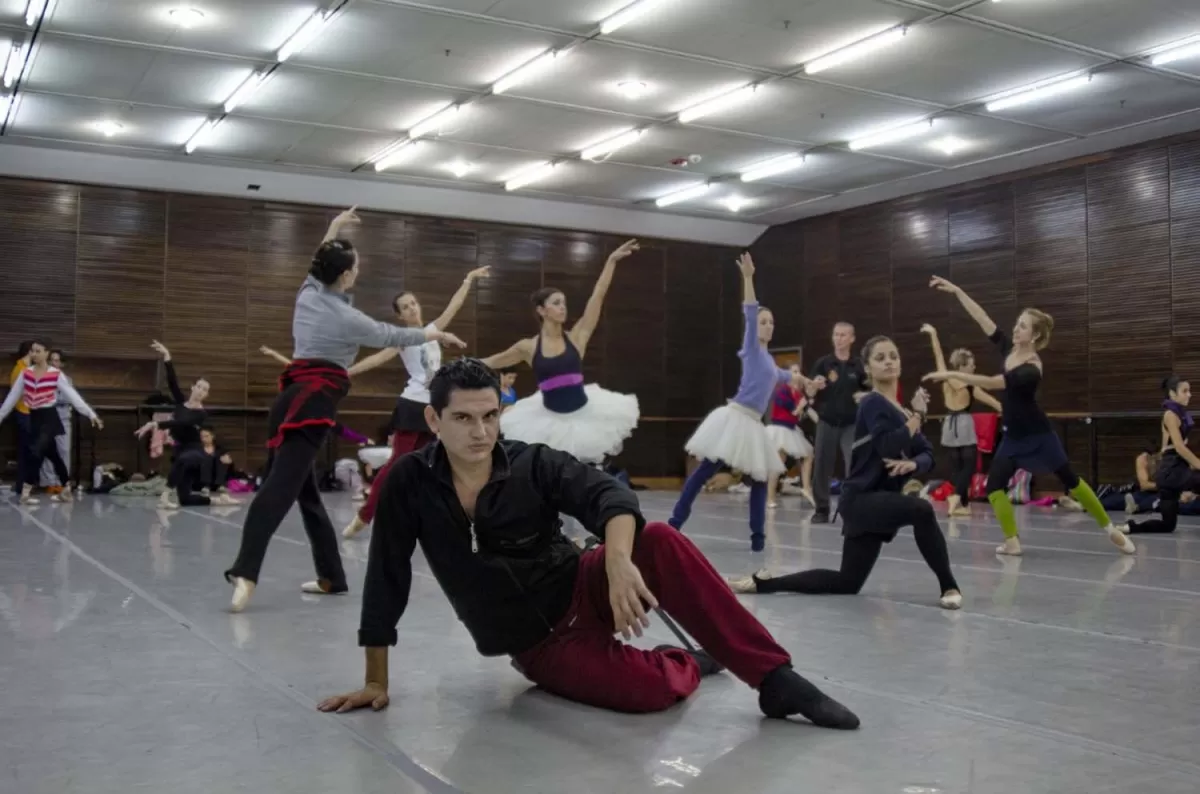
(790, 441)
(594, 432)
(375, 457)
(734, 435)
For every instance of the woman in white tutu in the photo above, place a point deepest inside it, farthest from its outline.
(588, 422)
(783, 430)
(734, 433)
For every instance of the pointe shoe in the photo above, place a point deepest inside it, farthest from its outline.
(224, 500)
(1011, 547)
(1130, 504)
(242, 590)
(808, 496)
(1120, 540)
(747, 584)
(355, 526)
(951, 599)
(323, 587)
(955, 508)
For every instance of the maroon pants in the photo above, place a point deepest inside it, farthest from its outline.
(403, 442)
(583, 660)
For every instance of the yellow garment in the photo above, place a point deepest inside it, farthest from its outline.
(18, 368)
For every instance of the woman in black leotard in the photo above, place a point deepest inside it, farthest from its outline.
(1179, 468)
(888, 449)
(1029, 441)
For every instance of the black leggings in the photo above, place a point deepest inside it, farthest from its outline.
(185, 474)
(1168, 509)
(291, 479)
(963, 469)
(43, 448)
(1002, 470)
(885, 511)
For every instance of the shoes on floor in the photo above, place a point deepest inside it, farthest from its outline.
(784, 692)
(951, 599)
(242, 590)
(355, 526)
(324, 587)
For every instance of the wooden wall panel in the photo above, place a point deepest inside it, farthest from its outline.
(503, 313)
(692, 310)
(571, 262)
(636, 331)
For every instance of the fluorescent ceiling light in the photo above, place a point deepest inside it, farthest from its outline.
(1038, 91)
(611, 144)
(200, 135)
(434, 121)
(632, 89)
(15, 64)
(687, 194)
(34, 11)
(245, 91)
(892, 135)
(528, 176)
(107, 127)
(777, 165)
(459, 168)
(949, 145)
(735, 203)
(302, 37)
(1188, 48)
(625, 16)
(5, 104)
(527, 70)
(186, 17)
(396, 154)
(852, 52)
(717, 103)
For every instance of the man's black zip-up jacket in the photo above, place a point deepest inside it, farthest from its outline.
(510, 573)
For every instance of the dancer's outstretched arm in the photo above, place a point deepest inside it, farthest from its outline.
(982, 381)
(456, 302)
(340, 223)
(974, 309)
(987, 399)
(586, 326)
(374, 360)
(939, 358)
(521, 351)
(275, 354)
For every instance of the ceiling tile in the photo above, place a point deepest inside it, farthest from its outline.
(70, 119)
(829, 171)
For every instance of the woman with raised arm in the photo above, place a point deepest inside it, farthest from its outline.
(408, 428)
(189, 460)
(1029, 441)
(888, 449)
(41, 385)
(1178, 467)
(587, 422)
(958, 427)
(734, 434)
(327, 332)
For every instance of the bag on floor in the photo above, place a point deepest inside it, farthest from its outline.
(978, 486)
(1020, 487)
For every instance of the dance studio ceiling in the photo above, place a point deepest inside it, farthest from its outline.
(138, 78)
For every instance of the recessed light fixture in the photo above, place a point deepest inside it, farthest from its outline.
(853, 52)
(735, 203)
(186, 16)
(435, 121)
(1188, 48)
(777, 165)
(632, 89)
(687, 194)
(459, 168)
(107, 127)
(527, 70)
(1037, 92)
(611, 144)
(717, 103)
(892, 135)
(526, 176)
(949, 145)
(303, 36)
(626, 15)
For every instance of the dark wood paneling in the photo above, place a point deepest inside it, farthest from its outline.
(692, 309)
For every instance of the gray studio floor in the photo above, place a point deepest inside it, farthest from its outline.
(1071, 670)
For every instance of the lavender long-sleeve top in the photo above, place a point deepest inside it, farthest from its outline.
(760, 375)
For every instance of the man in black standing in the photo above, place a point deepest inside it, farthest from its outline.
(838, 382)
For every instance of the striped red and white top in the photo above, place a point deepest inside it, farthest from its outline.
(42, 391)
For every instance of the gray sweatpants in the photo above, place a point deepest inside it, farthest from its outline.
(829, 440)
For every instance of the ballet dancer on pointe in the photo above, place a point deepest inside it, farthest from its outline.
(734, 434)
(1029, 441)
(783, 431)
(958, 427)
(326, 333)
(1178, 468)
(486, 515)
(588, 422)
(41, 386)
(409, 430)
(189, 460)
(888, 449)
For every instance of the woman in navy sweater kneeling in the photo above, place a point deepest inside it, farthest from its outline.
(888, 449)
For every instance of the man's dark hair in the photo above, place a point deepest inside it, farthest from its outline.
(461, 374)
(24, 348)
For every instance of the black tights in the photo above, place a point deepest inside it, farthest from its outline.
(962, 470)
(185, 474)
(43, 448)
(291, 479)
(1168, 509)
(1002, 470)
(886, 512)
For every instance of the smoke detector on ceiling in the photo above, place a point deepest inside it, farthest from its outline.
(684, 162)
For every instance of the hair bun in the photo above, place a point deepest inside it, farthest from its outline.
(331, 260)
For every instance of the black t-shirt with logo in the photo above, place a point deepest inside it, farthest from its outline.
(835, 403)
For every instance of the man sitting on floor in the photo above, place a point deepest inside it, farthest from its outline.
(487, 517)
